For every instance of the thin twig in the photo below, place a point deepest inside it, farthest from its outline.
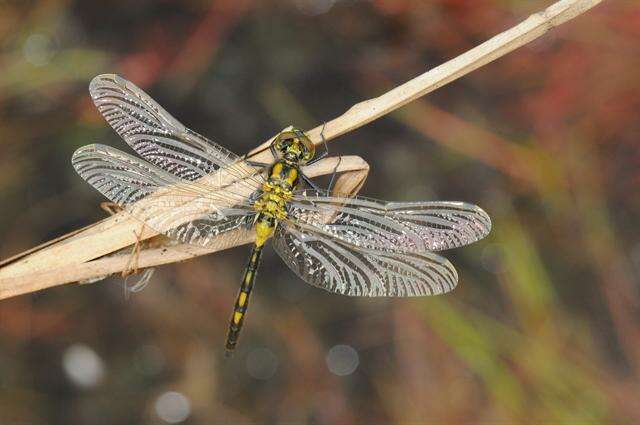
(92, 252)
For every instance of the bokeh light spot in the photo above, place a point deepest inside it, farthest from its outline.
(173, 407)
(262, 363)
(342, 360)
(37, 49)
(83, 366)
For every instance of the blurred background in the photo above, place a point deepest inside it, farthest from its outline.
(544, 326)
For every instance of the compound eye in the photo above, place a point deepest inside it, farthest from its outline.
(281, 144)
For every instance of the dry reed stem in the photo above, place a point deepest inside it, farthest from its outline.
(528, 30)
(97, 250)
(89, 253)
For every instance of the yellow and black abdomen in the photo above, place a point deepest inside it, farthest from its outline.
(242, 302)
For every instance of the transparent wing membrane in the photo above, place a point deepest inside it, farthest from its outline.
(194, 190)
(390, 226)
(161, 139)
(331, 264)
(186, 211)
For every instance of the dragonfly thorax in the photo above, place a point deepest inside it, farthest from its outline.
(283, 177)
(277, 190)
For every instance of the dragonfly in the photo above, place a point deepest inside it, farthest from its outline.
(195, 191)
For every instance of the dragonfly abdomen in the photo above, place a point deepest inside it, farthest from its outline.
(242, 302)
(264, 229)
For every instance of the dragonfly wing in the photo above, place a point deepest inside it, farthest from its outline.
(331, 264)
(158, 137)
(391, 226)
(186, 211)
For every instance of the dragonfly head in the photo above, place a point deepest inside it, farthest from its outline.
(294, 146)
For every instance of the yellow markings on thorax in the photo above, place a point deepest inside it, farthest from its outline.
(292, 177)
(276, 170)
(276, 192)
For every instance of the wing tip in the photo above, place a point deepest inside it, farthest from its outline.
(102, 77)
(99, 82)
(82, 154)
(485, 219)
(83, 150)
(481, 219)
(452, 283)
(94, 149)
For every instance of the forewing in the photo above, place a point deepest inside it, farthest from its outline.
(391, 226)
(158, 137)
(335, 266)
(186, 211)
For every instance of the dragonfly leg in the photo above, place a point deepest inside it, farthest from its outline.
(110, 207)
(249, 221)
(274, 153)
(333, 175)
(326, 148)
(258, 164)
(308, 180)
(314, 186)
(319, 157)
(132, 268)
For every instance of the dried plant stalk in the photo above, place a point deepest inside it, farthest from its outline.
(492, 49)
(89, 253)
(94, 251)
